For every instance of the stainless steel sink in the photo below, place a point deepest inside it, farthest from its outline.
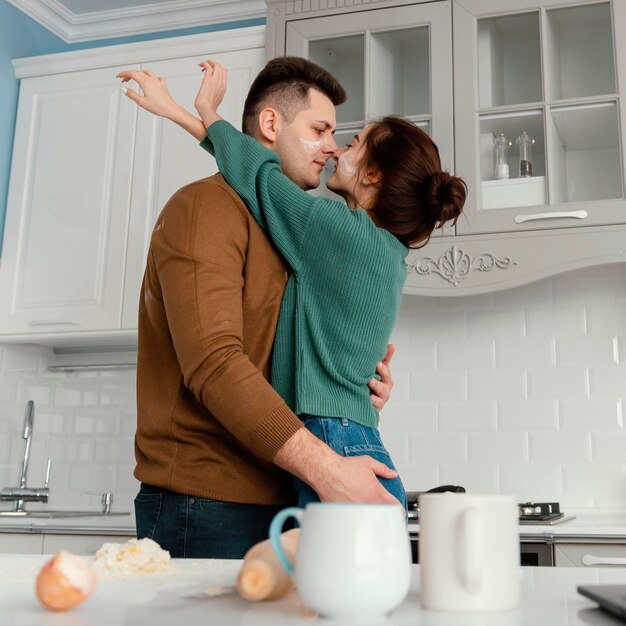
(51, 514)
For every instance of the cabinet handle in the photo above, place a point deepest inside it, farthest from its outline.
(589, 559)
(54, 323)
(580, 215)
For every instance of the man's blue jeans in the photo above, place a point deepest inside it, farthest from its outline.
(190, 527)
(348, 438)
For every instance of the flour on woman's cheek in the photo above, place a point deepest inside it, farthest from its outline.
(346, 164)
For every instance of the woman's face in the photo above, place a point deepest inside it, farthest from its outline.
(347, 177)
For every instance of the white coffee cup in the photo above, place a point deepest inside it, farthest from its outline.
(353, 560)
(469, 552)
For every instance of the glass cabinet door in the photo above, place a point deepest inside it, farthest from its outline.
(390, 61)
(539, 129)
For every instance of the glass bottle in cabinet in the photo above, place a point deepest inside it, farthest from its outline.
(546, 75)
(390, 61)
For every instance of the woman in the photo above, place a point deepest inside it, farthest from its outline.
(348, 270)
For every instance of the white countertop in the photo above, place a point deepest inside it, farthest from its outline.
(123, 525)
(548, 597)
(586, 524)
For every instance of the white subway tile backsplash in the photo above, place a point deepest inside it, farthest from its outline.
(67, 395)
(438, 448)
(560, 447)
(608, 381)
(127, 484)
(495, 324)
(84, 480)
(8, 388)
(397, 445)
(18, 358)
(591, 414)
(608, 317)
(520, 298)
(502, 447)
(467, 416)
(419, 476)
(527, 415)
(538, 482)
(74, 450)
(113, 450)
(558, 383)
(411, 357)
(427, 327)
(597, 485)
(525, 352)
(466, 355)
(128, 421)
(592, 285)
(88, 421)
(496, 384)
(427, 386)
(609, 447)
(476, 477)
(593, 348)
(482, 302)
(518, 391)
(51, 422)
(419, 416)
(555, 321)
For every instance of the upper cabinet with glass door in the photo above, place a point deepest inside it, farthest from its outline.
(390, 62)
(540, 124)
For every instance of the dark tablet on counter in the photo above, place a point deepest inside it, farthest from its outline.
(611, 598)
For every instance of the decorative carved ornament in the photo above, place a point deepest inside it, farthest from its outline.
(455, 265)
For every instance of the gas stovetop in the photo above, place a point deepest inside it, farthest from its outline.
(542, 513)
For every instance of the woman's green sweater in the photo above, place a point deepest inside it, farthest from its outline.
(344, 292)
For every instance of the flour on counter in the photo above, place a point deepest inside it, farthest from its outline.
(136, 556)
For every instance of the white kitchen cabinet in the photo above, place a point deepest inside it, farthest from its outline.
(555, 70)
(90, 173)
(21, 543)
(67, 218)
(550, 72)
(590, 555)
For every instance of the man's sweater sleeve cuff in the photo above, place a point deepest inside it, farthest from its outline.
(279, 426)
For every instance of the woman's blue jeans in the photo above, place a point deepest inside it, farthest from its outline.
(348, 438)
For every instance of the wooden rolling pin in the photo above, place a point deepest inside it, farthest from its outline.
(261, 576)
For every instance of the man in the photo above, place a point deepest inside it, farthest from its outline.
(212, 434)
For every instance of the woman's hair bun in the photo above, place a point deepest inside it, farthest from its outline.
(445, 197)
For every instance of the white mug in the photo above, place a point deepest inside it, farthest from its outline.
(353, 560)
(469, 552)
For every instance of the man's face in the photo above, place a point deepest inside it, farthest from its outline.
(305, 144)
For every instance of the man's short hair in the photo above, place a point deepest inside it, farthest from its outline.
(283, 84)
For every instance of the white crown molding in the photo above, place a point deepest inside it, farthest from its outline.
(160, 16)
(141, 52)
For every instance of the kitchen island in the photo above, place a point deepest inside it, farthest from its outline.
(180, 596)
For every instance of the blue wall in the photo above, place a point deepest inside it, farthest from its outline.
(20, 36)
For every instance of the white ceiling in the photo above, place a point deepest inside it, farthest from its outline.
(86, 20)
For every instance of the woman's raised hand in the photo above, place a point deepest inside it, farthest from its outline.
(156, 97)
(211, 91)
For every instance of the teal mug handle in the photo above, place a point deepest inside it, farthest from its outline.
(276, 528)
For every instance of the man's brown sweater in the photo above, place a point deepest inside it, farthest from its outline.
(208, 421)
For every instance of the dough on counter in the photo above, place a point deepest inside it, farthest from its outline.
(136, 556)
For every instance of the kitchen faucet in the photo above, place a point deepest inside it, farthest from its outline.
(22, 494)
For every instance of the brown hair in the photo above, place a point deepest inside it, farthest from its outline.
(415, 195)
(284, 84)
